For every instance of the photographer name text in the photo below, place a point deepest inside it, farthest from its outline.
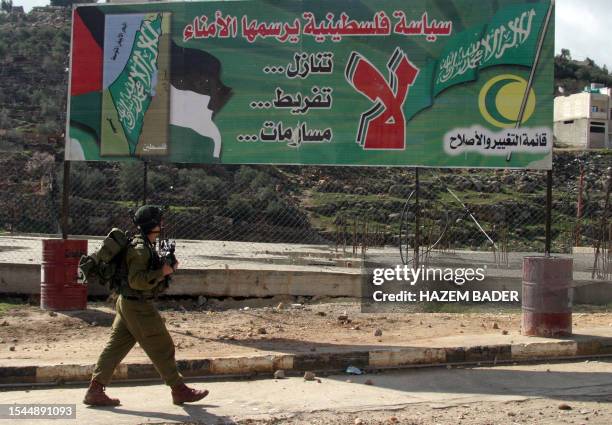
(457, 277)
(446, 296)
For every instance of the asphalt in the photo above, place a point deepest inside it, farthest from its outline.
(196, 254)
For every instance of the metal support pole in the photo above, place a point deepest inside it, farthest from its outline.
(603, 229)
(519, 121)
(548, 235)
(577, 230)
(417, 220)
(65, 199)
(144, 182)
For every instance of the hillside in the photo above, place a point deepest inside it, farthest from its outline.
(33, 79)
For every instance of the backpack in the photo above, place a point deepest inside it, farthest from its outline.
(104, 266)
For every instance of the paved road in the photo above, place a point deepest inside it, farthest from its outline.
(218, 254)
(424, 390)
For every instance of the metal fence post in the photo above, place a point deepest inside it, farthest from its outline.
(417, 219)
(577, 231)
(548, 219)
(65, 199)
(144, 182)
(603, 228)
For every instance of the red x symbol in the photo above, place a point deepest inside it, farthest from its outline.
(383, 126)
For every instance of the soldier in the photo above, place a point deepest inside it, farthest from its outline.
(137, 319)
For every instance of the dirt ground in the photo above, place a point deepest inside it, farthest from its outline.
(535, 411)
(215, 328)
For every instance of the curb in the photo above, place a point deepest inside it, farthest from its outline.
(24, 279)
(401, 357)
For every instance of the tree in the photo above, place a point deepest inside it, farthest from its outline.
(566, 55)
(69, 3)
(4, 118)
(6, 5)
(571, 76)
(130, 179)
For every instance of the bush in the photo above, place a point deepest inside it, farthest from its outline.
(130, 179)
(50, 127)
(197, 184)
(250, 178)
(5, 122)
(266, 195)
(279, 212)
(160, 183)
(400, 191)
(207, 187)
(240, 208)
(86, 182)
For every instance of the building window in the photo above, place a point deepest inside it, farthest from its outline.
(594, 109)
(568, 122)
(595, 129)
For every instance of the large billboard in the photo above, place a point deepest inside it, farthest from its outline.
(457, 83)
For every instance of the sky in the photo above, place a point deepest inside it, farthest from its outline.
(578, 27)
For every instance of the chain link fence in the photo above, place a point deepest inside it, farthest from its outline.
(350, 213)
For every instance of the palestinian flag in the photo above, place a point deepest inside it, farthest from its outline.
(197, 93)
(133, 90)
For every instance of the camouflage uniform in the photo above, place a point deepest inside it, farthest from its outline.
(137, 319)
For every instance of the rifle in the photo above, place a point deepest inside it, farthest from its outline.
(166, 254)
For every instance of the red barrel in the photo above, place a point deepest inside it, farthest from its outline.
(59, 289)
(547, 296)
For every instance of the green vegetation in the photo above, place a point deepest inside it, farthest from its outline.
(476, 198)
(323, 198)
(265, 203)
(508, 206)
(6, 5)
(7, 304)
(69, 3)
(573, 76)
(33, 78)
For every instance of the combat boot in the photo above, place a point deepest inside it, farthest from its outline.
(96, 397)
(181, 393)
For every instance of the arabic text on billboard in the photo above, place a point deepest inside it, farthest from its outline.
(434, 84)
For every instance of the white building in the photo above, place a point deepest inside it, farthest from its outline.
(583, 120)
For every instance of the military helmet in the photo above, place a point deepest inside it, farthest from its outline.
(147, 217)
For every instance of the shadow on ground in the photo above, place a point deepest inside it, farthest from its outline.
(194, 414)
(502, 381)
(91, 316)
